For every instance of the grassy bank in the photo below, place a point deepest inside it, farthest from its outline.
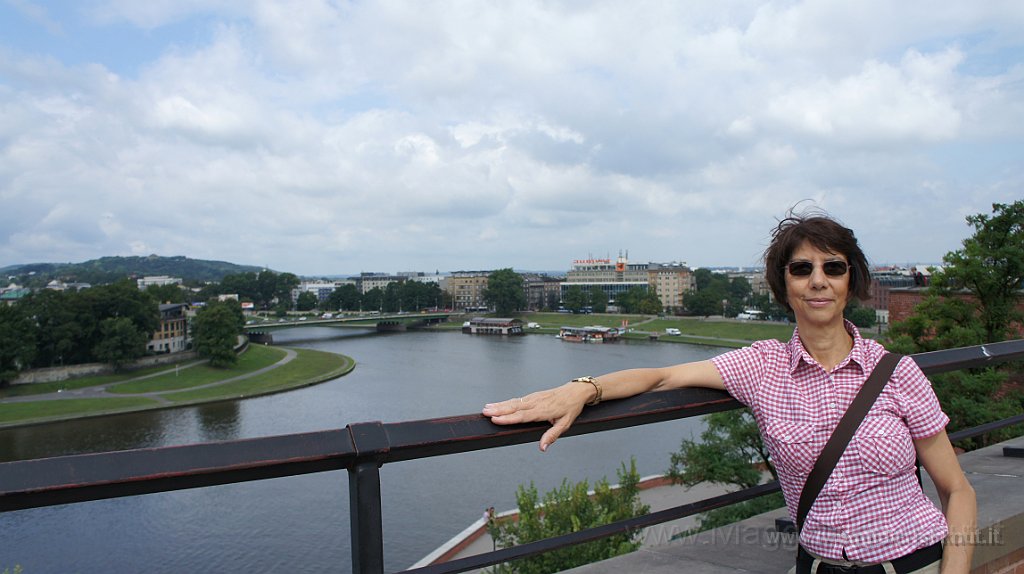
(96, 396)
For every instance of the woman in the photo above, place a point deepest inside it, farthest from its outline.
(872, 512)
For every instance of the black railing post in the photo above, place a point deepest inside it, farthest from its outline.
(367, 526)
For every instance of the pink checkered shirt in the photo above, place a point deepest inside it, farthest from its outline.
(872, 507)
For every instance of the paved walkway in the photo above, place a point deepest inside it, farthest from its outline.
(101, 392)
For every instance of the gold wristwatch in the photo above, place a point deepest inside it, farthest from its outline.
(597, 387)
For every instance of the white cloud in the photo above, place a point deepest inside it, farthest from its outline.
(331, 137)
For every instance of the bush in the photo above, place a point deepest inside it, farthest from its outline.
(570, 508)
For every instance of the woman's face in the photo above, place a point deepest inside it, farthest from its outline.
(817, 298)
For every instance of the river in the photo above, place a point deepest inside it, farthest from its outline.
(301, 524)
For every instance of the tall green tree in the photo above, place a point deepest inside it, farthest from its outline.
(575, 299)
(120, 343)
(730, 452)
(566, 509)
(17, 342)
(505, 292)
(168, 293)
(306, 301)
(344, 298)
(215, 330)
(598, 299)
(991, 266)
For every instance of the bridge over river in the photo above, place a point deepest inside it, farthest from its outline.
(260, 332)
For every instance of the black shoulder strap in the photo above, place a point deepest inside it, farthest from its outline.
(847, 426)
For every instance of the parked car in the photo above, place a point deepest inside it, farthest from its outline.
(672, 331)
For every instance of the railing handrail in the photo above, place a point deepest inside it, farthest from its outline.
(362, 448)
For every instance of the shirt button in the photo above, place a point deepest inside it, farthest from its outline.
(832, 405)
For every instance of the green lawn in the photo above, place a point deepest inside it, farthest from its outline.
(39, 411)
(308, 368)
(256, 357)
(45, 388)
(742, 330)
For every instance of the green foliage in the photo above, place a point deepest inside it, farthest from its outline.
(598, 299)
(716, 294)
(17, 342)
(168, 293)
(112, 269)
(729, 452)
(344, 298)
(17, 570)
(215, 330)
(68, 323)
(973, 398)
(373, 300)
(566, 509)
(728, 448)
(862, 317)
(575, 299)
(639, 300)
(991, 266)
(120, 342)
(505, 292)
(306, 301)
(263, 288)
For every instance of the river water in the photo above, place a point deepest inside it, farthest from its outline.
(300, 524)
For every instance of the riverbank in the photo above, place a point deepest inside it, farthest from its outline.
(712, 331)
(261, 370)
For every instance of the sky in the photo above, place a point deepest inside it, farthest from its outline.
(333, 137)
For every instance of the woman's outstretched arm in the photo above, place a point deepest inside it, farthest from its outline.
(561, 405)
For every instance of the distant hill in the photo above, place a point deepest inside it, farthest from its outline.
(110, 269)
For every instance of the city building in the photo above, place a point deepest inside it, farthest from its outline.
(883, 281)
(171, 336)
(467, 289)
(369, 281)
(542, 291)
(158, 280)
(613, 277)
(670, 281)
(322, 289)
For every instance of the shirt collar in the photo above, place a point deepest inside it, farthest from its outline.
(857, 355)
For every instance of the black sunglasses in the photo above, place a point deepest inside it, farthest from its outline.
(805, 268)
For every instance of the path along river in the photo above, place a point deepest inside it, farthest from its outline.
(300, 524)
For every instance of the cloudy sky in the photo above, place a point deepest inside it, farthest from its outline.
(324, 137)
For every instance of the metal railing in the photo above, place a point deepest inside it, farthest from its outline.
(363, 448)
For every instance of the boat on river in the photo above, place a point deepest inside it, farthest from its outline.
(591, 334)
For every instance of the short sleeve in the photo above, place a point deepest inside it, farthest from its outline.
(742, 371)
(920, 407)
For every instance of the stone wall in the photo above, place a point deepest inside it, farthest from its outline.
(54, 374)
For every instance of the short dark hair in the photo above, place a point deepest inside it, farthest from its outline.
(825, 234)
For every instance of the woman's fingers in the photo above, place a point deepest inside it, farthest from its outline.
(504, 408)
(558, 427)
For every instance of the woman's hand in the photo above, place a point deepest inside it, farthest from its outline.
(559, 406)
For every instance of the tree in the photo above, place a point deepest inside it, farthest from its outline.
(862, 317)
(505, 292)
(121, 342)
(639, 300)
(17, 342)
(167, 293)
(306, 301)
(344, 298)
(373, 300)
(570, 508)
(575, 299)
(215, 330)
(991, 266)
(730, 452)
(598, 299)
